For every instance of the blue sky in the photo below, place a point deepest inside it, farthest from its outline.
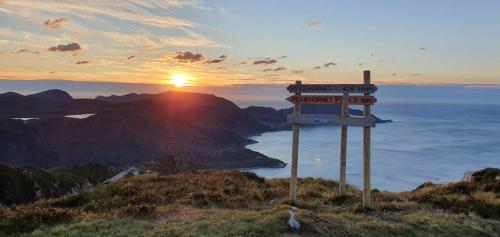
(141, 41)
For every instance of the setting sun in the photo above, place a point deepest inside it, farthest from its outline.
(179, 80)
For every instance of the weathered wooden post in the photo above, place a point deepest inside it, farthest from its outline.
(295, 150)
(366, 147)
(343, 144)
(343, 120)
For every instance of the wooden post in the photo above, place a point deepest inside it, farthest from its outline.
(295, 152)
(343, 146)
(366, 148)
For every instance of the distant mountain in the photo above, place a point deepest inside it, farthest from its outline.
(51, 103)
(195, 127)
(54, 94)
(125, 98)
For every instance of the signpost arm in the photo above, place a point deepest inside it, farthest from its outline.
(343, 145)
(366, 148)
(295, 152)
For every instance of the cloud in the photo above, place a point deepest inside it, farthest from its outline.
(313, 24)
(217, 60)
(282, 57)
(297, 71)
(55, 23)
(133, 11)
(394, 74)
(71, 47)
(83, 62)
(130, 57)
(423, 49)
(27, 51)
(265, 61)
(274, 70)
(188, 57)
(279, 69)
(330, 64)
(149, 46)
(317, 67)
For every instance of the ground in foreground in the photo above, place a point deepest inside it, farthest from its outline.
(232, 203)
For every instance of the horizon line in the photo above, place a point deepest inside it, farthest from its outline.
(253, 84)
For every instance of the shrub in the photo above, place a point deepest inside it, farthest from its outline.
(136, 210)
(27, 219)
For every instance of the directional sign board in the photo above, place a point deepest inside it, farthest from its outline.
(332, 120)
(332, 88)
(316, 99)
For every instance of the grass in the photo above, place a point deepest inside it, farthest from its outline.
(232, 203)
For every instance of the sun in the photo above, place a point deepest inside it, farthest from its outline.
(179, 80)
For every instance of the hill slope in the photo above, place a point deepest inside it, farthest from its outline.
(197, 127)
(231, 203)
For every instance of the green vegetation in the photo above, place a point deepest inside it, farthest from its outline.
(232, 203)
(22, 184)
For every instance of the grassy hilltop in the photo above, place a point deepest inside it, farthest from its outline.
(232, 203)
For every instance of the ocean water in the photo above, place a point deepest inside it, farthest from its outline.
(426, 142)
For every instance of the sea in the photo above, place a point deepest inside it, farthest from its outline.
(438, 141)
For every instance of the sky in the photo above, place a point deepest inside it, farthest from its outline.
(219, 43)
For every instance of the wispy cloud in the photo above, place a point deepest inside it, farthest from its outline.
(131, 10)
(297, 71)
(330, 64)
(83, 62)
(220, 59)
(217, 60)
(55, 23)
(27, 51)
(279, 69)
(264, 61)
(314, 23)
(130, 57)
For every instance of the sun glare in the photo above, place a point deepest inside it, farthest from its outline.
(179, 80)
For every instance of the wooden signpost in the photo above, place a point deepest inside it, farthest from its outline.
(332, 99)
(344, 120)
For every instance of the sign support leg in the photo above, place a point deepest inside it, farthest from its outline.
(366, 149)
(295, 153)
(343, 146)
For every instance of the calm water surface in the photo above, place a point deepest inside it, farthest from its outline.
(426, 142)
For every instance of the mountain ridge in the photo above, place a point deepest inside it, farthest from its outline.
(198, 127)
